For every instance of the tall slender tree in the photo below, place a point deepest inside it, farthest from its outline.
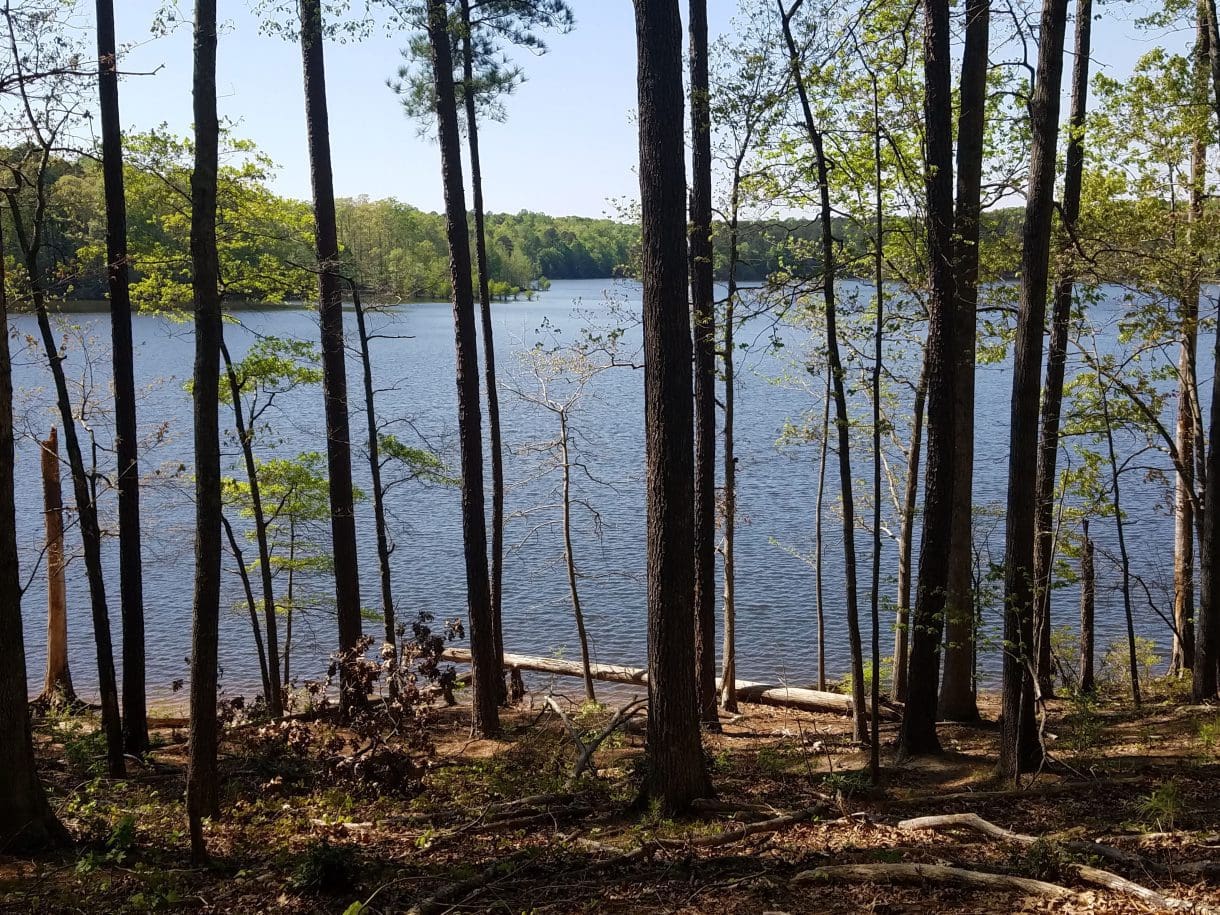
(1020, 749)
(828, 252)
(202, 785)
(957, 694)
(676, 771)
(918, 732)
(703, 302)
(474, 524)
(1056, 357)
(330, 313)
(1207, 625)
(27, 822)
(131, 576)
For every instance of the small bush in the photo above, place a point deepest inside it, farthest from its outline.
(327, 868)
(1116, 664)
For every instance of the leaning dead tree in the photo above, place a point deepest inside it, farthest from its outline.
(57, 685)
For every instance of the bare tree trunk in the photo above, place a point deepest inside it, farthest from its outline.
(1188, 392)
(245, 436)
(489, 354)
(1020, 749)
(918, 732)
(57, 686)
(1052, 398)
(874, 757)
(957, 693)
(703, 302)
(819, 577)
(676, 772)
(334, 368)
(27, 822)
(487, 683)
(569, 557)
(86, 508)
(202, 787)
(1088, 601)
(1117, 505)
(906, 539)
(131, 578)
(842, 420)
(728, 670)
(251, 603)
(383, 537)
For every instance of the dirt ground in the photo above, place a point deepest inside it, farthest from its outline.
(493, 826)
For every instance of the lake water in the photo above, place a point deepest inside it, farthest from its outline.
(414, 361)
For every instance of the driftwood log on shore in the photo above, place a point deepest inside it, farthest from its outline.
(808, 700)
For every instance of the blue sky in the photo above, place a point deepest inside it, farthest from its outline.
(568, 147)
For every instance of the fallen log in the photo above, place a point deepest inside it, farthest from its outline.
(806, 700)
(932, 873)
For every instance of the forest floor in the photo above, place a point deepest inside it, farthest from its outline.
(494, 826)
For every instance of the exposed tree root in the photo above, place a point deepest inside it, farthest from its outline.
(1089, 874)
(933, 873)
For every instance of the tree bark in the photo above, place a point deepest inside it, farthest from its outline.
(1061, 318)
(131, 577)
(251, 604)
(918, 733)
(57, 686)
(703, 304)
(489, 353)
(957, 693)
(842, 420)
(728, 652)
(1088, 602)
(874, 756)
(202, 788)
(487, 686)
(676, 773)
(27, 822)
(1019, 746)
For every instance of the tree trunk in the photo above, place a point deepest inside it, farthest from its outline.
(1019, 746)
(57, 686)
(251, 605)
(1188, 392)
(569, 557)
(487, 684)
(957, 694)
(27, 822)
(1061, 318)
(703, 304)
(1125, 562)
(728, 669)
(842, 420)
(1088, 601)
(131, 582)
(245, 435)
(918, 733)
(383, 537)
(489, 355)
(819, 510)
(874, 758)
(202, 787)
(906, 539)
(86, 508)
(676, 772)
(334, 369)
